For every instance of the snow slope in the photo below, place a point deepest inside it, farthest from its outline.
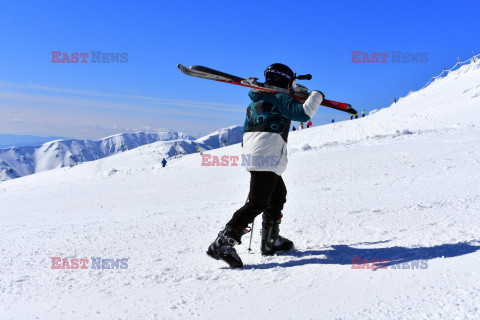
(401, 184)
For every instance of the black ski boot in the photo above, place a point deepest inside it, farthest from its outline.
(222, 247)
(272, 242)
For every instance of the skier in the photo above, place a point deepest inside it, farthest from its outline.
(309, 124)
(265, 133)
(356, 115)
(164, 162)
(301, 125)
(293, 129)
(351, 116)
(363, 113)
(333, 120)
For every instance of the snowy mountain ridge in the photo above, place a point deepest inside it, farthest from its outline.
(25, 160)
(16, 162)
(447, 104)
(224, 136)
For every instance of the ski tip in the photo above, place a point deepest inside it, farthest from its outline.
(183, 69)
(350, 109)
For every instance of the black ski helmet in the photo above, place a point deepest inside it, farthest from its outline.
(279, 75)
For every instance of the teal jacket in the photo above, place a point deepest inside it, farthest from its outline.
(273, 112)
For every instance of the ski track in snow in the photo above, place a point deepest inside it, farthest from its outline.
(380, 187)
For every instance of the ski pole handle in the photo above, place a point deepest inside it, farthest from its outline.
(304, 77)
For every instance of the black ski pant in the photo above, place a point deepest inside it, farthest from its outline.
(267, 194)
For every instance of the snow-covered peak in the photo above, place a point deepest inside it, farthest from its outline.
(224, 136)
(161, 136)
(20, 161)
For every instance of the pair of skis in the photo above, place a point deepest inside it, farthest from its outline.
(299, 92)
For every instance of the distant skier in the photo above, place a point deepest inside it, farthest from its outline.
(293, 129)
(351, 116)
(363, 113)
(309, 124)
(198, 149)
(164, 162)
(301, 125)
(265, 134)
(333, 120)
(356, 115)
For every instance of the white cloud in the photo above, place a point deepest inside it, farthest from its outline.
(155, 100)
(42, 110)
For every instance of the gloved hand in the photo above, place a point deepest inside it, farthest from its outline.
(313, 102)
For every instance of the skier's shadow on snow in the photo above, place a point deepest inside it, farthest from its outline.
(343, 254)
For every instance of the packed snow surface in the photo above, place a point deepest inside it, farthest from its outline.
(400, 185)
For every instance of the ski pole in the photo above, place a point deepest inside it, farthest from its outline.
(251, 236)
(251, 231)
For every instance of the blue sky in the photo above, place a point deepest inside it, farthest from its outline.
(90, 100)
